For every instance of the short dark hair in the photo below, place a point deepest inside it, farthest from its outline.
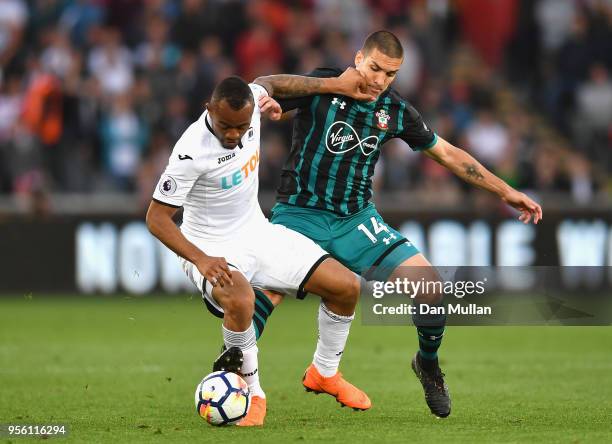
(386, 42)
(234, 91)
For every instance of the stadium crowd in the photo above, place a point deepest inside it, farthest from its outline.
(93, 93)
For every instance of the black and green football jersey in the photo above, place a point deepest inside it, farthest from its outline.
(336, 143)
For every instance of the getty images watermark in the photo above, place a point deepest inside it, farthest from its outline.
(427, 288)
(490, 296)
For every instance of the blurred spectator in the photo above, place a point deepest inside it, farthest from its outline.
(487, 139)
(437, 184)
(337, 53)
(123, 140)
(42, 105)
(593, 124)
(197, 77)
(309, 61)
(146, 104)
(176, 120)
(594, 99)
(549, 175)
(13, 18)
(195, 82)
(409, 76)
(340, 15)
(258, 52)
(25, 160)
(167, 9)
(111, 63)
(488, 26)
(298, 44)
(10, 106)
(197, 19)
(123, 15)
(156, 52)
(79, 17)
(581, 183)
(555, 18)
(58, 57)
(44, 14)
(273, 13)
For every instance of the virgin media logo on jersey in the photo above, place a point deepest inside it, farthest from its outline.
(342, 137)
(238, 176)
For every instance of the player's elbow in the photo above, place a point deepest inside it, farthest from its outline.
(152, 220)
(443, 152)
(445, 158)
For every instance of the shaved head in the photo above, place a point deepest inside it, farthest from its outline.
(384, 41)
(234, 91)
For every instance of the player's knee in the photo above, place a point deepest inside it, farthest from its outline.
(433, 297)
(431, 288)
(348, 291)
(432, 293)
(235, 303)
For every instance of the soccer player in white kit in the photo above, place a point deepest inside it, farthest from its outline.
(227, 246)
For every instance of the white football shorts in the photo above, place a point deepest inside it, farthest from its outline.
(271, 257)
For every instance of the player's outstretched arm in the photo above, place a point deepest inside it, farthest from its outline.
(469, 169)
(160, 224)
(350, 83)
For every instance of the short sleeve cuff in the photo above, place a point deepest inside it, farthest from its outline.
(258, 90)
(429, 145)
(168, 204)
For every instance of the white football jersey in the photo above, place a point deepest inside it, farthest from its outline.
(216, 186)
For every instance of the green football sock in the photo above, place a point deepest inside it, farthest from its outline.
(430, 339)
(430, 329)
(263, 309)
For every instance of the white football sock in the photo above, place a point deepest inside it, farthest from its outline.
(246, 342)
(333, 333)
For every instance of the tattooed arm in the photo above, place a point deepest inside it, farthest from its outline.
(350, 83)
(469, 169)
(287, 86)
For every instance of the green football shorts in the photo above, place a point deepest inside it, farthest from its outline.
(362, 241)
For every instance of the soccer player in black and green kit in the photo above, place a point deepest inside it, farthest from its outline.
(326, 185)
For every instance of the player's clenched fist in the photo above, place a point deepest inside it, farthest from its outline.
(270, 107)
(215, 270)
(352, 83)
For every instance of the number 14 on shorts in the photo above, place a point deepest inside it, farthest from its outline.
(378, 228)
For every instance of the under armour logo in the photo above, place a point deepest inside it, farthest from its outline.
(336, 101)
(387, 240)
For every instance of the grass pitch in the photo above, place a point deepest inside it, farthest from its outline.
(124, 370)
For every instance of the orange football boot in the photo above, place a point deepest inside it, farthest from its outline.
(257, 413)
(344, 392)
